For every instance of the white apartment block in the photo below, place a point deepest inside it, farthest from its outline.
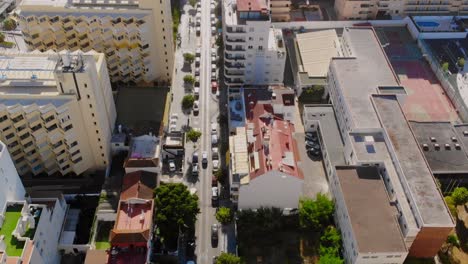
(13, 189)
(351, 9)
(37, 221)
(135, 35)
(56, 111)
(254, 51)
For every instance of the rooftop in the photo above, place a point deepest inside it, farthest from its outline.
(144, 152)
(373, 221)
(361, 73)
(84, 4)
(251, 5)
(430, 205)
(133, 222)
(272, 146)
(138, 184)
(316, 50)
(433, 138)
(94, 256)
(329, 131)
(14, 248)
(239, 153)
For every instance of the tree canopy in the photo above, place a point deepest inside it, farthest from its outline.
(189, 79)
(330, 259)
(188, 101)
(224, 215)
(460, 195)
(316, 214)
(227, 258)
(2, 37)
(176, 209)
(9, 24)
(193, 135)
(189, 57)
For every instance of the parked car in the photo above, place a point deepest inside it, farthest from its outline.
(214, 181)
(214, 140)
(213, 30)
(204, 159)
(195, 158)
(195, 170)
(311, 144)
(214, 86)
(198, 52)
(196, 92)
(214, 193)
(172, 166)
(214, 234)
(214, 76)
(215, 165)
(196, 107)
(214, 128)
(213, 60)
(311, 136)
(197, 61)
(197, 71)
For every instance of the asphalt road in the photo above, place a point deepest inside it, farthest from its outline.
(205, 250)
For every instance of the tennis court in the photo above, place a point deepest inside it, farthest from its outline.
(426, 100)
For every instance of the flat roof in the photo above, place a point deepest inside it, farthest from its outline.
(451, 159)
(361, 73)
(239, 153)
(251, 5)
(419, 179)
(316, 49)
(144, 147)
(372, 218)
(95, 256)
(329, 131)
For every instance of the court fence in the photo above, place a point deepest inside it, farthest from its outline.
(452, 92)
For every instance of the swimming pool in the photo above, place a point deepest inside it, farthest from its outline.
(427, 24)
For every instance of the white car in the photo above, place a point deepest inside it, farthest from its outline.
(213, 30)
(172, 166)
(197, 71)
(214, 52)
(213, 59)
(197, 61)
(214, 128)
(196, 91)
(196, 106)
(215, 165)
(198, 52)
(214, 139)
(214, 193)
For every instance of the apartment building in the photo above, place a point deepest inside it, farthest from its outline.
(254, 51)
(376, 133)
(135, 35)
(29, 226)
(56, 111)
(13, 189)
(351, 9)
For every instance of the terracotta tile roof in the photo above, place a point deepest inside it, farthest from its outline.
(126, 237)
(251, 5)
(138, 184)
(140, 163)
(274, 145)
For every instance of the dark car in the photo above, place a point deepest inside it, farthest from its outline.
(214, 235)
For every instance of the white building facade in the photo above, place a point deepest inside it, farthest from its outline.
(56, 112)
(13, 189)
(136, 35)
(254, 51)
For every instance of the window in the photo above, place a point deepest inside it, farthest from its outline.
(250, 47)
(85, 85)
(90, 106)
(88, 96)
(260, 47)
(97, 131)
(68, 127)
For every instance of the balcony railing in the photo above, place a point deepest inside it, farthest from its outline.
(231, 48)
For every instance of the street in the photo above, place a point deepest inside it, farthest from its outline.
(208, 114)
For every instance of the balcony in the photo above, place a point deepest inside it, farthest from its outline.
(233, 57)
(234, 48)
(233, 81)
(233, 74)
(236, 65)
(234, 40)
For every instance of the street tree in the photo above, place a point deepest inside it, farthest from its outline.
(193, 2)
(188, 101)
(2, 37)
(331, 238)
(460, 195)
(224, 215)
(9, 24)
(176, 212)
(189, 58)
(330, 259)
(228, 258)
(189, 79)
(461, 62)
(445, 66)
(315, 214)
(193, 135)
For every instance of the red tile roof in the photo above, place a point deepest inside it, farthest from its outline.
(138, 184)
(273, 139)
(251, 5)
(133, 223)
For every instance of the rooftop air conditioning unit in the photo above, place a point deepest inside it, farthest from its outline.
(425, 147)
(457, 146)
(465, 132)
